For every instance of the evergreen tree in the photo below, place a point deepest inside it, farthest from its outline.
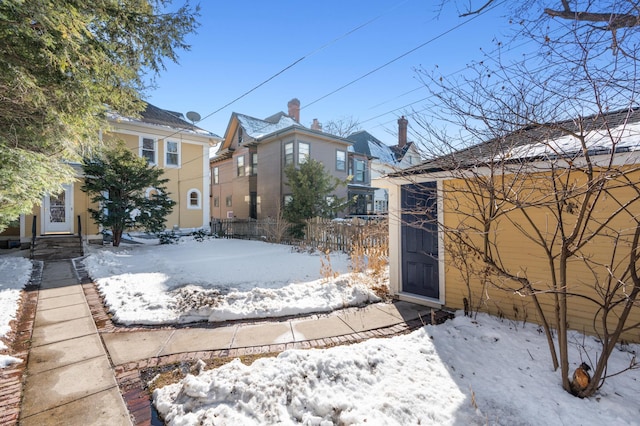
(61, 63)
(118, 181)
(312, 191)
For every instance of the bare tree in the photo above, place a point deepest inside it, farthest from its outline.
(341, 127)
(544, 152)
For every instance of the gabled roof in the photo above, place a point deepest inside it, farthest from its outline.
(257, 128)
(367, 144)
(164, 118)
(546, 142)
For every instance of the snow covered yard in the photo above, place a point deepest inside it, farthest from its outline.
(221, 279)
(462, 372)
(15, 271)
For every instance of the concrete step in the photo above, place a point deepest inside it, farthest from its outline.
(57, 247)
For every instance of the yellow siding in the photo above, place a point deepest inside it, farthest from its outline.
(523, 257)
(188, 176)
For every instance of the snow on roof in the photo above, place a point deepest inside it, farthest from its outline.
(626, 138)
(366, 143)
(382, 152)
(170, 120)
(256, 128)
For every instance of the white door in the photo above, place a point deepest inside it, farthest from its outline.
(58, 212)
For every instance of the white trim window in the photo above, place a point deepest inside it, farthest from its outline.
(341, 160)
(149, 149)
(216, 176)
(303, 152)
(288, 153)
(172, 154)
(240, 170)
(194, 199)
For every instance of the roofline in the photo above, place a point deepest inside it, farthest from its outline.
(115, 123)
(299, 128)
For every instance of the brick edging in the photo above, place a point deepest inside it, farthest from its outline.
(128, 375)
(138, 400)
(12, 378)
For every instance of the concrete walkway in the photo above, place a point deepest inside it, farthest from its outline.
(69, 377)
(71, 367)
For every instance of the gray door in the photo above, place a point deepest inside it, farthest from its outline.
(420, 240)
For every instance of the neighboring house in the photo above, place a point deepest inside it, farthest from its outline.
(166, 140)
(248, 171)
(385, 159)
(431, 206)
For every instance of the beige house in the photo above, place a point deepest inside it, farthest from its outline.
(439, 227)
(248, 171)
(167, 141)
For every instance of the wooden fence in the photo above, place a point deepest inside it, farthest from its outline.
(323, 234)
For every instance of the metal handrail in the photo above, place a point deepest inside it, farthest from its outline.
(80, 233)
(33, 235)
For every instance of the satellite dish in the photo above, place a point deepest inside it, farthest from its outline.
(193, 116)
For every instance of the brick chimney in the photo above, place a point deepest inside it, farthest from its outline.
(402, 131)
(294, 109)
(316, 125)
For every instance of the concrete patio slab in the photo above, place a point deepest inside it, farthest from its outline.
(60, 354)
(60, 386)
(134, 346)
(102, 408)
(319, 328)
(199, 339)
(262, 334)
(61, 301)
(67, 313)
(405, 311)
(62, 331)
(368, 318)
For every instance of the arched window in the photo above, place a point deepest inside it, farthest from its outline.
(194, 199)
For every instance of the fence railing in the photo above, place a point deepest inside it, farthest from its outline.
(324, 234)
(342, 235)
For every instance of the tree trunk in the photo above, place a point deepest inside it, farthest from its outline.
(117, 237)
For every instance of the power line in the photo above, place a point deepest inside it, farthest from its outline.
(313, 52)
(420, 46)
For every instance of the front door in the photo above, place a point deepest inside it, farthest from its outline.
(57, 212)
(420, 240)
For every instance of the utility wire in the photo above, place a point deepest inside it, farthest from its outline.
(401, 56)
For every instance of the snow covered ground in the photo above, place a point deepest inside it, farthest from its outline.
(220, 279)
(15, 272)
(463, 372)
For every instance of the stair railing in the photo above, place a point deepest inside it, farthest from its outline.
(33, 235)
(80, 233)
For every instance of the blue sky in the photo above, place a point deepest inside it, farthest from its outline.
(241, 44)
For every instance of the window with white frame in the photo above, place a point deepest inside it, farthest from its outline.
(288, 153)
(172, 154)
(240, 165)
(303, 152)
(148, 149)
(193, 199)
(216, 201)
(229, 202)
(215, 176)
(341, 160)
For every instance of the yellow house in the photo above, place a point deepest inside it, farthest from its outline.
(492, 228)
(168, 141)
